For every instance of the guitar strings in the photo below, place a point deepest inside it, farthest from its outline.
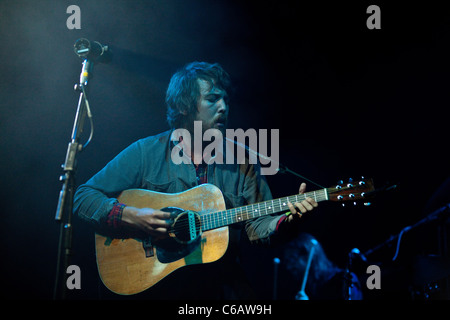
(226, 217)
(218, 219)
(222, 218)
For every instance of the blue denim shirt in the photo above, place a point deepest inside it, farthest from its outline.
(147, 164)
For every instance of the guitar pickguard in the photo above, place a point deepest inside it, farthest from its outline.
(171, 249)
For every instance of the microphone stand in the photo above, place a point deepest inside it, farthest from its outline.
(348, 277)
(65, 203)
(281, 167)
(301, 294)
(276, 262)
(435, 215)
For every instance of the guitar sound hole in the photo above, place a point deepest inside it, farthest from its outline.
(186, 227)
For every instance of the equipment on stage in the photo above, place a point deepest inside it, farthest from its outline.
(301, 294)
(198, 234)
(90, 53)
(426, 276)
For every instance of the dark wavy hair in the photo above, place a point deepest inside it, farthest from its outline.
(183, 90)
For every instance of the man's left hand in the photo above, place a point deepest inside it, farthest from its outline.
(299, 208)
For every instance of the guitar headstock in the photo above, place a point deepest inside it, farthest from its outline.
(351, 191)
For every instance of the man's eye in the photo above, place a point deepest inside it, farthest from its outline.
(212, 99)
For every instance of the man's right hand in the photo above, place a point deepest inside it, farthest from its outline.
(146, 222)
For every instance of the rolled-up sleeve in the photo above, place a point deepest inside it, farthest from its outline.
(95, 199)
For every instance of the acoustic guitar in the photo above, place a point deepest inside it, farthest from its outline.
(198, 234)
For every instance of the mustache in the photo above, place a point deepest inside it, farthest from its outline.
(222, 119)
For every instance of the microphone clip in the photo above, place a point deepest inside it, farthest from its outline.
(91, 50)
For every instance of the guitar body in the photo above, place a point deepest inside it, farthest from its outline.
(126, 266)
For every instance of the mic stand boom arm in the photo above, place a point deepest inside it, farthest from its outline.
(435, 215)
(281, 168)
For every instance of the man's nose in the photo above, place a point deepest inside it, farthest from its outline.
(222, 106)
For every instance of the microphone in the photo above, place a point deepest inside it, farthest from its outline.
(357, 253)
(91, 52)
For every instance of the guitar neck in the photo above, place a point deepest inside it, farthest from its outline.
(224, 218)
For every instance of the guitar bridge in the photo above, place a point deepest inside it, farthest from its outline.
(148, 247)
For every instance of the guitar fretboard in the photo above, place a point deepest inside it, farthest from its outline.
(227, 217)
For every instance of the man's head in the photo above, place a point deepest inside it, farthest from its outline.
(198, 91)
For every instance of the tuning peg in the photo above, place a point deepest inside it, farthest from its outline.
(350, 183)
(362, 182)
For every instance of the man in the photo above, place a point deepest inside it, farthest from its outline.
(197, 92)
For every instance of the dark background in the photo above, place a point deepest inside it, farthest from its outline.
(348, 101)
